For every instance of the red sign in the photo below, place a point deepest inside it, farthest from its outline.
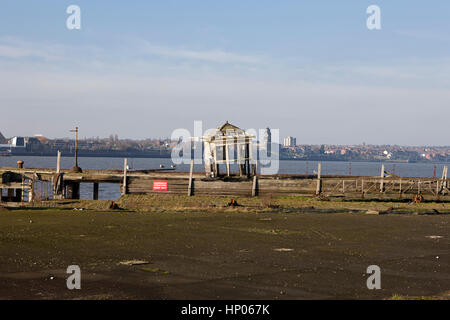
(159, 185)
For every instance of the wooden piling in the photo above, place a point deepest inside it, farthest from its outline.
(255, 186)
(444, 184)
(382, 179)
(125, 168)
(191, 171)
(227, 156)
(362, 188)
(95, 192)
(58, 162)
(216, 164)
(31, 192)
(239, 156)
(319, 179)
(247, 157)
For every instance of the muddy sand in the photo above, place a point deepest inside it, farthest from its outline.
(226, 254)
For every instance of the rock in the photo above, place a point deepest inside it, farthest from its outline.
(134, 262)
(283, 249)
(434, 237)
(372, 212)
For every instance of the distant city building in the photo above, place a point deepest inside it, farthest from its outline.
(289, 142)
(3, 139)
(387, 154)
(18, 142)
(40, 137)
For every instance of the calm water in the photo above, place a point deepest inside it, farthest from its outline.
(112, 192)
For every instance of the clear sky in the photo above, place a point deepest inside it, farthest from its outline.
(310, 68)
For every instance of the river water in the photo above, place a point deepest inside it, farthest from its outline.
(112, 192)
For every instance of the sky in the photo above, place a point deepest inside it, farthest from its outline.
(311, 69)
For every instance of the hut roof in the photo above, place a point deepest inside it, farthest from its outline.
(226, 129)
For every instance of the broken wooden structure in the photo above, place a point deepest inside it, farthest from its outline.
(228, 144)
(225, 145)
(21, 184)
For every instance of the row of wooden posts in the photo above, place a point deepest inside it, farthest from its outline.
(440, 186)
(260, 185)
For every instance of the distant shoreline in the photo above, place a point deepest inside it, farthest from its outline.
(82, 154)
(168, 156)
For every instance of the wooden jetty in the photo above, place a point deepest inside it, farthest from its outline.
(21, 184)
(225, 145)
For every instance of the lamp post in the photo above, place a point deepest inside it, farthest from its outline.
(76, 168)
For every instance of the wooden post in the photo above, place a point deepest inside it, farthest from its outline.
(58, 162)
(319, 180)
(59, 187)
(227, 156)
(247, 157)
(125, 168)
(437, 189)
(95, 195)
(191, 171)
(255, 186)
(250, 157)
(216, 165)
(239, 156)
(30, 192)
(382, 178)
(444, 179)
(362, 188)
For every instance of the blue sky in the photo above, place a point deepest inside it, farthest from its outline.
(310, 68)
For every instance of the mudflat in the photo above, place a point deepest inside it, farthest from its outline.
(226, 254)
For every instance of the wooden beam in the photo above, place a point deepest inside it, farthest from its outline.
(216, 165)
(247, 157)
(319, 180)
(255, 186)
(227, 156)
(250, 157)
(125, 169)
(58, 162)
(95, 191)
(31, 192)
(382, 178)
(444, 184)
(14, 185)
(239, 158)
(190, 189)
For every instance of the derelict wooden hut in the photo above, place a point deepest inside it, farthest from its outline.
(226, 145)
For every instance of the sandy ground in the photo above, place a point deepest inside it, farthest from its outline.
(225, 254)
